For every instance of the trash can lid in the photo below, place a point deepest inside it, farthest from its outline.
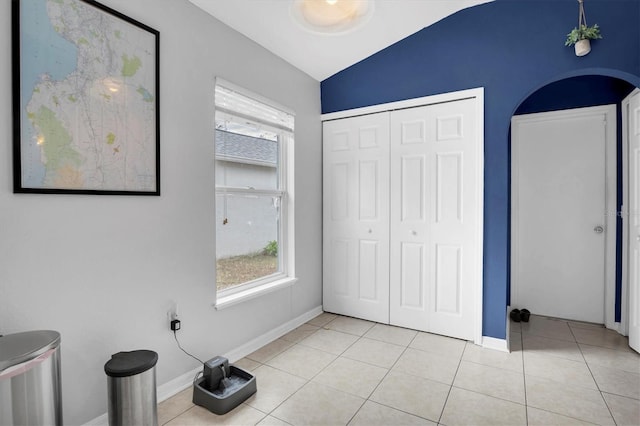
(21, 347)
(125, 364)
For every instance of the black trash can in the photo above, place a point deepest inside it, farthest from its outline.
(131, 381)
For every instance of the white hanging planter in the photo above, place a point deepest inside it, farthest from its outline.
(582, 47)
(580, 36)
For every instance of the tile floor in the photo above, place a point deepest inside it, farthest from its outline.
(337, 370)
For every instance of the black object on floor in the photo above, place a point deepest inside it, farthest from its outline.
(524, 315)
(223, 387)
(515, 315)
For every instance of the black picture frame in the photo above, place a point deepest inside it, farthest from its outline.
(89, 127)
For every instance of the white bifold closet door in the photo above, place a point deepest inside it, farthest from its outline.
(434, 220)
(401, 217)
(356, 217)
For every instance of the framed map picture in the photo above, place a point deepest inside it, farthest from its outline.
(85, 100)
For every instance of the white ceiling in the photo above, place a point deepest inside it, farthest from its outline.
(270, 23)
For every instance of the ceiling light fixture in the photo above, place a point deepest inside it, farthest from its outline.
(331, 16)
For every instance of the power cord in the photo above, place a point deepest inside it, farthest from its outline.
(175, 336)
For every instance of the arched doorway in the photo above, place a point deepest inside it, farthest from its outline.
(579, 91)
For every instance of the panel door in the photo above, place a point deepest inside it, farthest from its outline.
(634, 222)
(356, 217)
(559, 206)
(435, 199)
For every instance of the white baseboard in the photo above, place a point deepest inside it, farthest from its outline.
(182, 382)
(496, 344)
(255, 344)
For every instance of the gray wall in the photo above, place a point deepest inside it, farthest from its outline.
(104, 270)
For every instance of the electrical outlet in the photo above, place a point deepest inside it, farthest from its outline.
(172, 313)
(172, 317)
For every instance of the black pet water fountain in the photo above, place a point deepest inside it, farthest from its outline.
(222, 387)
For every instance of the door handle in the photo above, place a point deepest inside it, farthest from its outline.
(598, 229)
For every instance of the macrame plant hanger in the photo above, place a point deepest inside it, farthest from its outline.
(582, 47)
(582, 19)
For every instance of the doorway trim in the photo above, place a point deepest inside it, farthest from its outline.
(610, 203)
(623, 325)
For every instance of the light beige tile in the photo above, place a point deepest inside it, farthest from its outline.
(412, 394)
(440, 345)
(552, 347)
(470, 408)
(302, 332)
(350, 376)
(515, 341)
(626, 411)
(427, 365)
(374, 352)
(623, 360)
(334, 342)
(491, 381)
(601, 337)
(350, 325)
(272, 421)
(616, 381)
(390, 334)
(580, 324)
(274, 387)
(547, 327)
(247, 364)
(241, 415)
(267, 352)
(302, 361)
(563, 398)
(174, 406)
(373, 414)
(316, 404)
(493, 358)
(322, 319)
(537, 417)
(559, 369)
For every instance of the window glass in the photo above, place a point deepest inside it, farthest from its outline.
(247, 238)
(252, 210)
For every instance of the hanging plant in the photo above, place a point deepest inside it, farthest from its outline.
(581, 35)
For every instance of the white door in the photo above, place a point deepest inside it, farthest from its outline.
(356, 217)
(435, 199)
(634, 225)
(558, 214)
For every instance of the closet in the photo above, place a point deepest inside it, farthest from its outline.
(402, 217)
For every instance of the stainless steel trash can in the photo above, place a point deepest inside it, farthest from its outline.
(30, 387)
(131, 381)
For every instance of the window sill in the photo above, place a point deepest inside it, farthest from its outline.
(252, 293)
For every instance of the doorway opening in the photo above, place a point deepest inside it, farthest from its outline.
(572, 94)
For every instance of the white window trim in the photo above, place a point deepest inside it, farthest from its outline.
(287, 277)
(253, 292)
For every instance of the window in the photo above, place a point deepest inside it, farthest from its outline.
(254, 193)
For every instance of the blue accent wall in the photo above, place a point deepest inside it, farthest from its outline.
(576, 92)
(511, 48)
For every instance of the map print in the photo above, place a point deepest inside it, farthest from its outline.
(88, 81)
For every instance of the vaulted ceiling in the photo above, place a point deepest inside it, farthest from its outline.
(271, 23)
